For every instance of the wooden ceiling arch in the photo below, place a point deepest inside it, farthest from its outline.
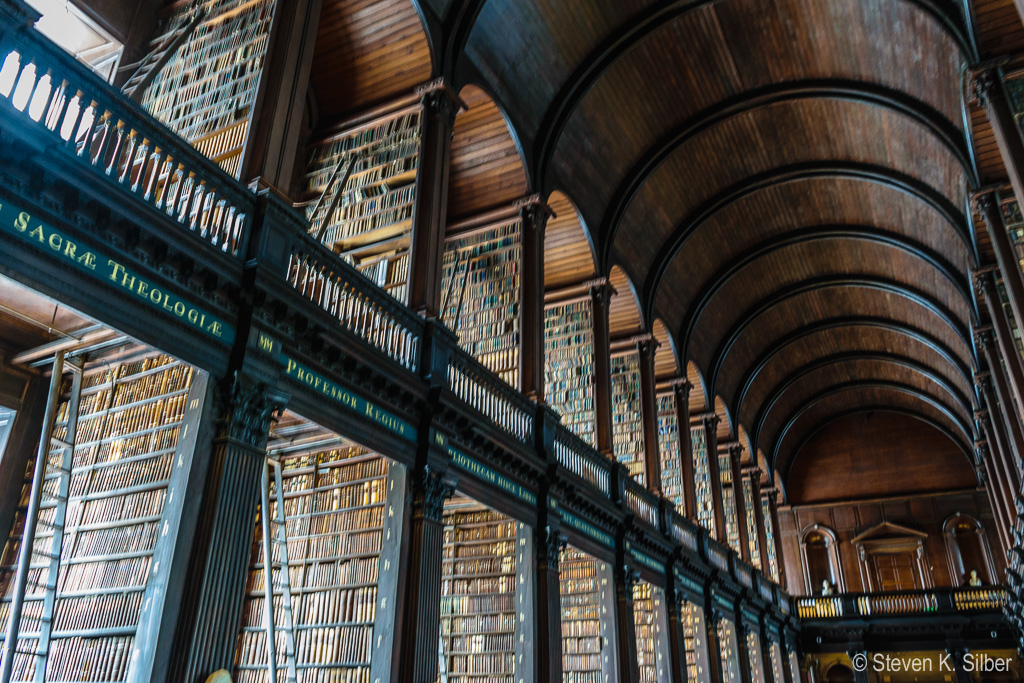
(853, 364)
(698, 389)
(864, 397)
(800, 172)
(919, 112)
(726, 426)
(958, 324)
(568, 249)
(881, 338)
(666, 357)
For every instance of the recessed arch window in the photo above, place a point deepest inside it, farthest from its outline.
(967, 550)
(819, 554)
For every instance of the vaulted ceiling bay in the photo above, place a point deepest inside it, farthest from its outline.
(786, 186)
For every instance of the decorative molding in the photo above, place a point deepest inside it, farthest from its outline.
(437, 488)
(251, 410)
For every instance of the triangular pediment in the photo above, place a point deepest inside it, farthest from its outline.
(888, 531)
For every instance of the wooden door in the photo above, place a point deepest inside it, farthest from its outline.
(896, 572)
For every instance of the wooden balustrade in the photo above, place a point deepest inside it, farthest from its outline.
(580, 458)
(48, 95)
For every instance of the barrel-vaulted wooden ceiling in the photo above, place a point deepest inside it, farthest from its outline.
(785, 183)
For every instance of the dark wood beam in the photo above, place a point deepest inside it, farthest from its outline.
(778, 345)
(872, 282)
(881, 175)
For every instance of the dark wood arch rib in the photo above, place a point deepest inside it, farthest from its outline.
(825, 362)
(795, 414)
(634, 32)
(866, 93)
(920, 336)
(788, 464)
(920, 297)
(852, 232)
(787, 174)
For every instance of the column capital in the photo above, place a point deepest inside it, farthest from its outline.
(646, 344)
(553, 545)
(983, 337)
(534, 210)
(983, 83)
(601, 290)
(984, 203)
(983, 283)
(438, 487)
(250, 410)
(710, 420)
(437, 97)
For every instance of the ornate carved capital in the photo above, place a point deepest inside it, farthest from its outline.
(682, 389)
(711, 421)
(534, 212)
(630, 578)
(985, 204)
(437, 488)
(983, 284)
(436, 99)
(983, 337)
(251, 410)
(601, 293)
(554, 543)
(982, 85)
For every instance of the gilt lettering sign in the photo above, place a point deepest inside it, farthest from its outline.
(116, 275)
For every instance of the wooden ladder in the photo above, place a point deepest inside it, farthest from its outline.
(152, 63)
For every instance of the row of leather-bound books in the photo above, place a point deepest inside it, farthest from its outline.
(702, 479)
(330, 515)
(627, 423)
(480, 295)
(646, 628)
(580, 596)
(478, 588)
(669, 448)
(209, 85)
(118, 488)
(569, 365)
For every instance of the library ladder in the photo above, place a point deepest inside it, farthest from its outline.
(42, 498)
(152, 63)
(275, 536)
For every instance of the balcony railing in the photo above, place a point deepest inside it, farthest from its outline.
(490, 395)
(577, 456)
(902, 603)
(91, 125)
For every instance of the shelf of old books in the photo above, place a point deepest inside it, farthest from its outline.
(569, 364)
(651, 627)
(486, 596)
(702, 479)
(732, 529)
(480, 292)
(794, 666)
(587, 595)
(97, 557)
(729, 651)
(694, 641)
(627, 420)
(775, 655)
(359, 195)
(754, 656)
(206, 90)
(751, 522)
(668, 446)
(769, 538)
(334, 520)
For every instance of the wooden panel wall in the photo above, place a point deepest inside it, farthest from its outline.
(568, 257)
(486, 169)
(880, 454)
(924, 513)
(367, 51)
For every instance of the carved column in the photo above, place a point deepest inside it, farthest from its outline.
(983, 469)
(549, 607)
(676, 634)
(986, 287)
(740, 501)
(1011, 422)
(646, 348)
(218, 571)
(273, 144)
(713, 616)
(431, 198)
(1002, 492)
(682, 389)
(743, 650)
(754, 475)
(601, 295)
(714, 473)
(625, 628)
(534, 215)
(421, 613)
